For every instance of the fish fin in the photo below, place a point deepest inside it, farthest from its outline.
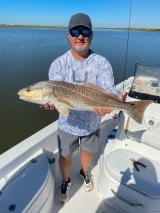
(100, 89)
(62, 109)
(60, 104)
(95, 87)
(55, 98)
(113, 96)
(137, 109)
(63, 101)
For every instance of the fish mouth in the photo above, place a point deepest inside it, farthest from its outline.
(20, 93)
(23, 97)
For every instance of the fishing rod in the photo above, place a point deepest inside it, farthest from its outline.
(127, 45)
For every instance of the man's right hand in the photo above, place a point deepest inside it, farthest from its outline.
(48, 106)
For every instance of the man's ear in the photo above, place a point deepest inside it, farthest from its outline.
(91, 35)
(68, 34)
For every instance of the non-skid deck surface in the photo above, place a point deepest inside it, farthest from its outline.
(81, 201)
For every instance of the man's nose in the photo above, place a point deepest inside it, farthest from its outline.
(80, 36)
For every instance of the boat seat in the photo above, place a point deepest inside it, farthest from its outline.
(30, 190)
(121, 168)
(148, 132)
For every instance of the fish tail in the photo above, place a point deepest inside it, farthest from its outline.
(137, 109)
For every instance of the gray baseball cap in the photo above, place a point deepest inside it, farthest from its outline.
(80, 19)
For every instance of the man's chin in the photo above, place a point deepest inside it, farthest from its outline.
(81, 49)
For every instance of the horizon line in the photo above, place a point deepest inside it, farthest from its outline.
(55, 26)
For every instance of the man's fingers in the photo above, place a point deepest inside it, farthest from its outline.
(108, 111)
(48, 106)
(51, 106)
(95, 110)
(101, 110)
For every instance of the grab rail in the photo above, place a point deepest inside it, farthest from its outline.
(126, 201)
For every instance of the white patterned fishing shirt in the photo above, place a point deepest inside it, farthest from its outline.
(95, 69)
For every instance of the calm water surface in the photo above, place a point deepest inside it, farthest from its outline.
(25, 58)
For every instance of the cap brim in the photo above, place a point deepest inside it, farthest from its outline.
(80, 25)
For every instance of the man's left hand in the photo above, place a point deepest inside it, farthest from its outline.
(101, 110)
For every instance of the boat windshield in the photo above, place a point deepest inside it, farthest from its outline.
(146, 84)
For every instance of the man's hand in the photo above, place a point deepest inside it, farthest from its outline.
(48, 106)
(101, 110)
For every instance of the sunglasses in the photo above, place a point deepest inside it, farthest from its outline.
(76, 33)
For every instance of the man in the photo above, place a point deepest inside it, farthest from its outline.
(79, 66)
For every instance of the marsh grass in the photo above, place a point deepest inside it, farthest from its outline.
(65, 27)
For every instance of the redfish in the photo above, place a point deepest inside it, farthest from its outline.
(85, 97)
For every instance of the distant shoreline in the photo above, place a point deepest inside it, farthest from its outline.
(64, 27)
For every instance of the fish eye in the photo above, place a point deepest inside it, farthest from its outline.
(28, 90)
(132, 105)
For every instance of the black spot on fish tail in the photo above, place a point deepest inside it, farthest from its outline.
(137, 109)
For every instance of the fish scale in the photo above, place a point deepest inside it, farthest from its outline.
(95, 98)
(71, 92)
(85, 97)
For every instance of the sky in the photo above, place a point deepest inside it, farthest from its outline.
(103, 13)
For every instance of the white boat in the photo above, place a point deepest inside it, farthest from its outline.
(30, 176)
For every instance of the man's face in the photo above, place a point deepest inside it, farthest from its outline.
(80, 43)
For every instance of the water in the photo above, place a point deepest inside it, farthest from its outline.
(25, 58)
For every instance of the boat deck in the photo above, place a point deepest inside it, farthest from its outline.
(81, 201)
